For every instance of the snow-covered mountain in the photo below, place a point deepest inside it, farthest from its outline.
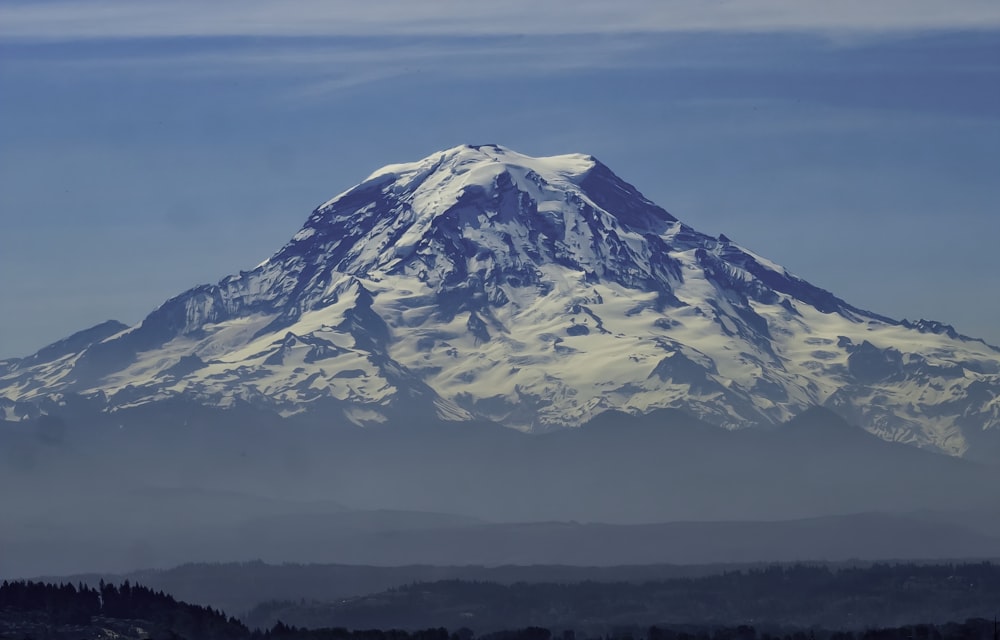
(535, 292)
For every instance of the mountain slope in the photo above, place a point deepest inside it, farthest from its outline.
(479, 283)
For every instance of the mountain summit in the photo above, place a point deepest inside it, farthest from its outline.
(480, 283)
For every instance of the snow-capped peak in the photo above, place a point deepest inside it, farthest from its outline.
(470, 159)
(537, 292)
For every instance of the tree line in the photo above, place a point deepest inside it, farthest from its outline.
(80, 605)
(42, 611)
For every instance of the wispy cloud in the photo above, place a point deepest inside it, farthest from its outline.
(309, 55)
(71, 19)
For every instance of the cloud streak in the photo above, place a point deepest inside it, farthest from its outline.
(73, 20)
(309, 55)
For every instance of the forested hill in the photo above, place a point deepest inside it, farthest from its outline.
(42, 610)
(36, 611)
(797, 596)
(881, 602)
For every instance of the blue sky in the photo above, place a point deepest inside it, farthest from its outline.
(149, 147)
